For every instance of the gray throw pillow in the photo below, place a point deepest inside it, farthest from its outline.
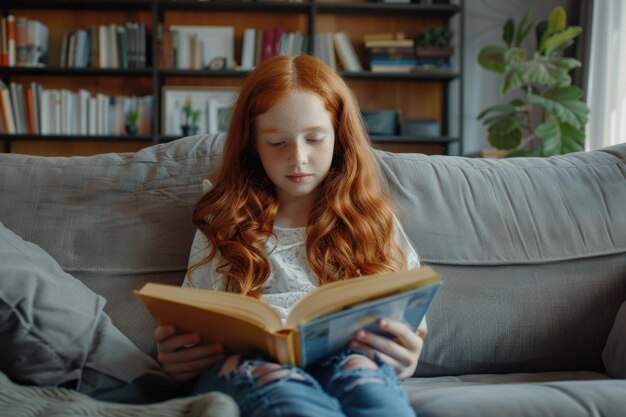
(54, 332)
(614, 353)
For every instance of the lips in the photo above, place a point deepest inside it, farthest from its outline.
(298, 178)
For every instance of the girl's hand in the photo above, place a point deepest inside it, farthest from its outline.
(183, 356)
(401, 353)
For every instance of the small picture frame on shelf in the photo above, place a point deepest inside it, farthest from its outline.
(188, 110)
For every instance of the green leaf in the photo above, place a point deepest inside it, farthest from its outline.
(516, 77)
(507, 32)
(497, 108)
(559, 40)
(505, 131)
(550, 135)
(573, 112)
(492, 58)
(569, 93)
(547, 71)
(505, 141)
(559, 138)
(523, 29)
(572, 139)
(540, 29)
(556, 23)
(514, 55)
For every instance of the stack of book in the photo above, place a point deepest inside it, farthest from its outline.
(23, 42)
(337, 51)
(33, 109)
(213, 47)
(105, 46)
(390, 52)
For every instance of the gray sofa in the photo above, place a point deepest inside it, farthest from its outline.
(530, 321)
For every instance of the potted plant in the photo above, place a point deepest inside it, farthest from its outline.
(547, 116)
(131, 122)
(190, 119)
(432, 47)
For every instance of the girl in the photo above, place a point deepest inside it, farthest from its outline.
(298, 202)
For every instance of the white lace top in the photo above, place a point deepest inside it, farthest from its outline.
(290, 274)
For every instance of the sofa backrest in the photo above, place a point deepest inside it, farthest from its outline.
(114, 221)
(532, 251)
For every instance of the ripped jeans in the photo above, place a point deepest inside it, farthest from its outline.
(326, 389)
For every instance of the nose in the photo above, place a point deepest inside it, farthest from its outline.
(297, 154)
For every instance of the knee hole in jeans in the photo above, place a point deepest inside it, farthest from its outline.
(229, 364)
(270, 371)
(263, 373)
(358, 361)
(361, 362)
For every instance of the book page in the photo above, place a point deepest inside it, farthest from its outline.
(329, 334)
(337, 295)
(241, 307)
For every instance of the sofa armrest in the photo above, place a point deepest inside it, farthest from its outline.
(614, 353)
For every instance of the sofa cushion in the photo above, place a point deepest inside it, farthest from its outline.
(575, 395)
(468, 211)
(532, 252)
(53, 331)
(113, 221)
(614, 353)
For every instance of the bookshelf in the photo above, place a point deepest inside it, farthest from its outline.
(424, 94)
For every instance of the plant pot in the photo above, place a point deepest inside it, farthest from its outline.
(429, 51)
(189, 130)
(429, 57)
(131, 130)
(493, 153)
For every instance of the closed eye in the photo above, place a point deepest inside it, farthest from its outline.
(315, 139)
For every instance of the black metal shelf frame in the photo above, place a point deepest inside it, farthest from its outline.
(311, 8)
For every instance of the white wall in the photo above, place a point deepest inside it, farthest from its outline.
(483, 26)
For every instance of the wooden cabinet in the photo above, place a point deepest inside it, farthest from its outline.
(424, 94)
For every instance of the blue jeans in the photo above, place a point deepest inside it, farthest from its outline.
(325, 390)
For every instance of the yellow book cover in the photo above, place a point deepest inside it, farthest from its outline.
(322, 322)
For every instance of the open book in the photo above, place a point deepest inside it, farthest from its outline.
(321, 323)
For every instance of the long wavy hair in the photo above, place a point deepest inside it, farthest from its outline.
(350, 230)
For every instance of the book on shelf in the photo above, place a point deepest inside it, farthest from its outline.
(393, 68)
(267, 49)
(196, 46)
(321, 323)
(325, 49)
(11, 40)
(394, 43)
(4, 53)
(7, 109)
(247, 49)
(37, 110)
(23, 42)
(278, 34)
(346, 53)
(391, 53)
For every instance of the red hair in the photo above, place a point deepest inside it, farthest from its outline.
(350, 229)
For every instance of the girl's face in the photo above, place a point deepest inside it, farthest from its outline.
(295, 140)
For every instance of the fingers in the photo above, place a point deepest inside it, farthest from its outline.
(163, 332)
(177, 342)
(183, 356)
(422, 329)
(401, 353)
(403, 333)
(371, 342)
(189, 363)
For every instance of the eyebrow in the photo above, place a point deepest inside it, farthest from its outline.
(271, 130)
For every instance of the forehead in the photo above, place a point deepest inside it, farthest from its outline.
(297, 109)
